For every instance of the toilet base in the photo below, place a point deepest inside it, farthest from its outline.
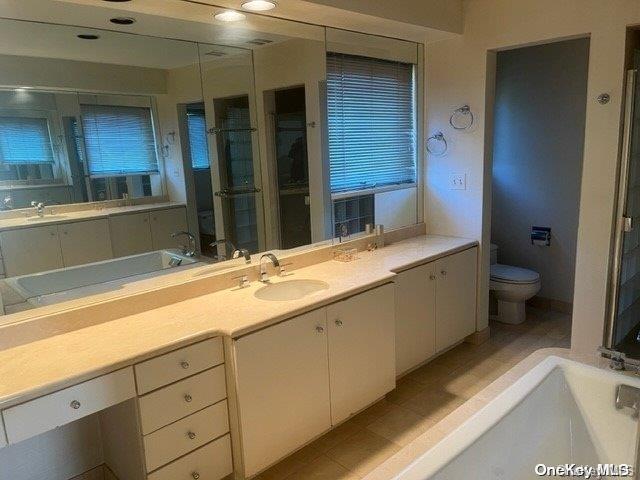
(512, 313)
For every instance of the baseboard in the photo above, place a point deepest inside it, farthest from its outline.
(551, 304)
(480, 337)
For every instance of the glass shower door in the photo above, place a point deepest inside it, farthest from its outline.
(623, 332)
(238, 191)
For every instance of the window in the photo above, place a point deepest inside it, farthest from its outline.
(25, 141)
(119, 140)
(198, 138)
(372, 122)
(351, 215)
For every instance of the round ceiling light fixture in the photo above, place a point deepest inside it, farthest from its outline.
(88, 36)
(229, 16)
(259, 5)
(123, 20)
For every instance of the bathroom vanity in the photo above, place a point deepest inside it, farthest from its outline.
(213, 383)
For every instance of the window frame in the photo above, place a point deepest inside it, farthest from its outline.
(417, 114)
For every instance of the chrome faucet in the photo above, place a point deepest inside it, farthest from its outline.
(221, 249)
(242, 252)
(188, 251)
(39, 206)
(263, 265)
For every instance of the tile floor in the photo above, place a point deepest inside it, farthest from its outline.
(421, 399)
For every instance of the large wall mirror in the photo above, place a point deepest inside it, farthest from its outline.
(181, 145)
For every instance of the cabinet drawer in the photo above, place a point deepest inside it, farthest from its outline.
(211, 462)
(185, 435)
(62, 407)
(178, 364)
(176, 401)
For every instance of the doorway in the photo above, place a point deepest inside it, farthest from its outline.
(538, 141)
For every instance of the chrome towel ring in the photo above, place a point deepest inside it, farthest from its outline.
(462, 118)
(437, 144)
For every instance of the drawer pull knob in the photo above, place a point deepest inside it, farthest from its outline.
(339, 323)
(195, 475)
(75, 405)
(191, 435)
(432, 277)
(184, 364)
(443, 272)
(188, 398)
(319, 329)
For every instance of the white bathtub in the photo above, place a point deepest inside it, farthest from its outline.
(561, 412)
(54, 286)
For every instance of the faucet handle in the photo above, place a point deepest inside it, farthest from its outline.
(283, 269)
(243, 280)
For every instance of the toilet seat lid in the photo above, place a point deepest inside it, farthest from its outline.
(508, 273)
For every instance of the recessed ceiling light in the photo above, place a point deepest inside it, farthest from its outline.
(259, 5)
(123, 20)
(229, 16)
(88, 36)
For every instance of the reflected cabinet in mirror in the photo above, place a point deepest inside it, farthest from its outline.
(177, 147)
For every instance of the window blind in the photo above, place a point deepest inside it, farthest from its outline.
(372, 122)
(198, 139)
(119, 140)
(25, 140)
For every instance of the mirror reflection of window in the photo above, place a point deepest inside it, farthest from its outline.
(25, 148)
(372, 133)
(117, 150)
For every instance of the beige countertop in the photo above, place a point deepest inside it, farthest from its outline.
(46, 365)
(74, 216)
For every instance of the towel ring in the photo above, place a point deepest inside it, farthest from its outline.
(463, 111)
(437, 138)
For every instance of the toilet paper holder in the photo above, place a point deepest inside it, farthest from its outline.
(541, 236)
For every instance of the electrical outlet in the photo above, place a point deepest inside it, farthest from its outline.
(458, 181)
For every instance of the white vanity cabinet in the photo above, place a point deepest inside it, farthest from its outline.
(455, 297)
(30, 250)
(85, 242)
(361, 350)
(297, 379)
(435, 307)
(130, 234)
(164, 223)
(282, 380)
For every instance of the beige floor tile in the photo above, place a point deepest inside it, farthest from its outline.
(335, 436)
(406, 388)
(323, 468)
(362, 452)
(372, 413)
(434, 406)
(400, 425)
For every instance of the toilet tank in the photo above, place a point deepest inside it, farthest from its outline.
(494, 254)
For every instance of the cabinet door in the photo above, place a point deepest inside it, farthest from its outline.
(455, 298)
(282, 388)
(29, 250)
(362, 365)
(130, 234)
(415, 316)
(164, 223)
(85, 242)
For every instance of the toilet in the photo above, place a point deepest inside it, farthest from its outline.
(512, 287)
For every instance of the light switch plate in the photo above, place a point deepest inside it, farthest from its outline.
(458, 181)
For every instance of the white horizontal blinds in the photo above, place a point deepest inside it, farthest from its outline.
(196, 125)
(119, 140)
(372, 122)
(25, 140)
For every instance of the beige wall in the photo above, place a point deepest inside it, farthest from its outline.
(458, 73)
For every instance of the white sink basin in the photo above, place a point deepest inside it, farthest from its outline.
(290, 290)
(46, 218)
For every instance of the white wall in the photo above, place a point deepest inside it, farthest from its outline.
(458, 73)
(537, 158)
